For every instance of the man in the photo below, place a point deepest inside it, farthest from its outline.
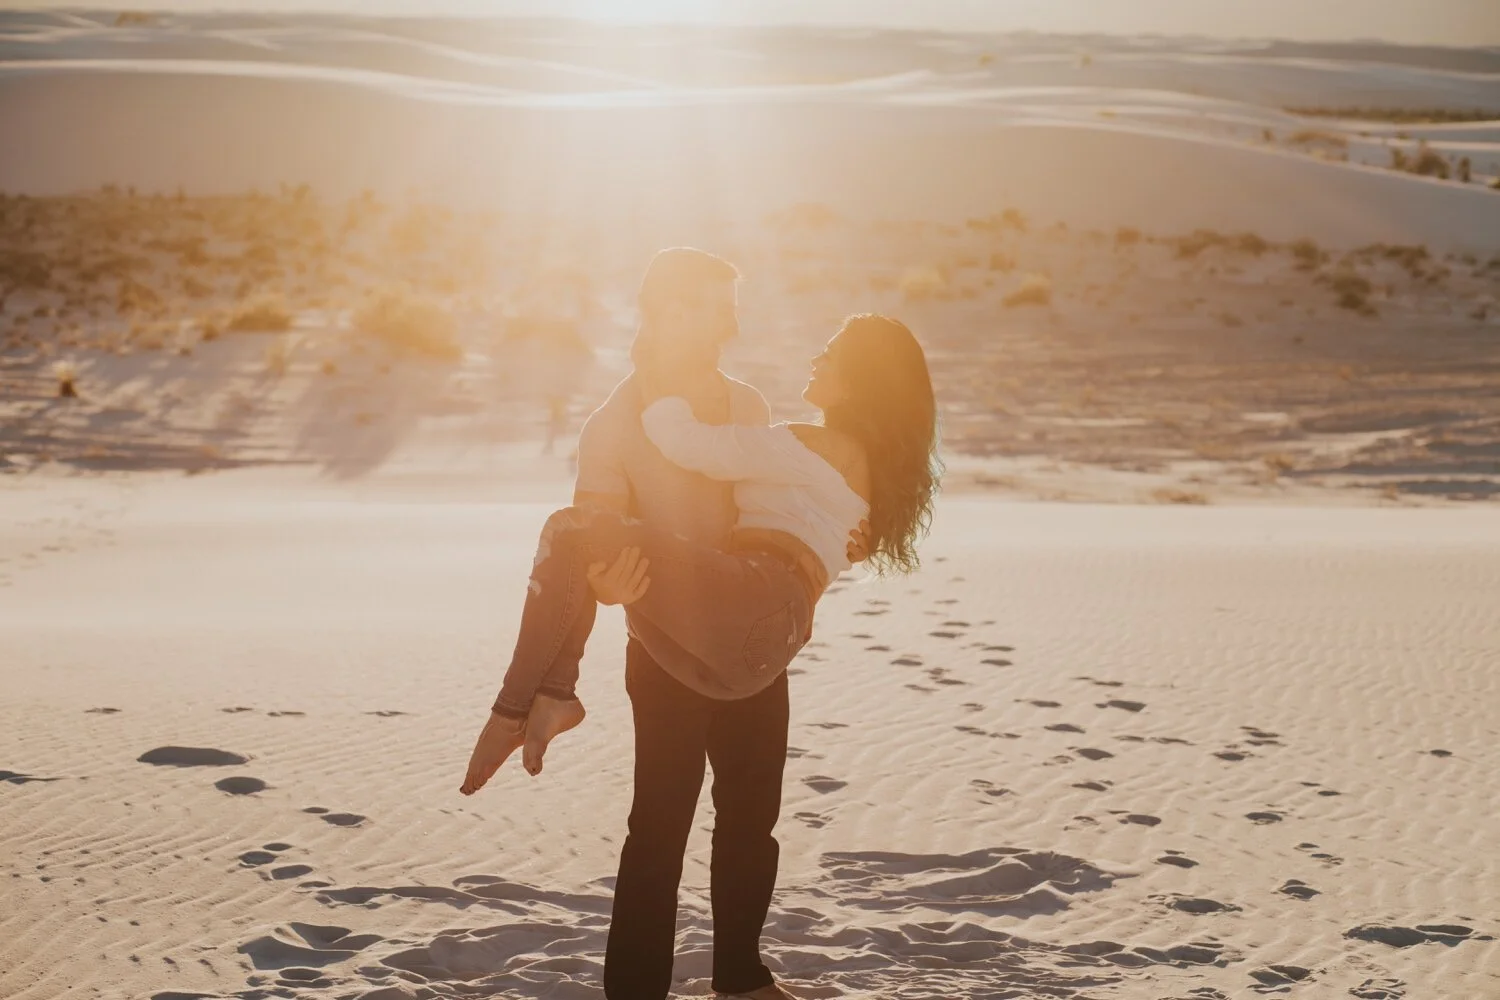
(688, 307)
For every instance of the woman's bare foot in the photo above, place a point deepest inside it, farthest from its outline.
(549, 718)
(497, 741)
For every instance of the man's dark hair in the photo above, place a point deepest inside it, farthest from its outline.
(681, 274)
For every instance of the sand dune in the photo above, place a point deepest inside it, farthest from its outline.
(227, 133)
(1091, 751)
(1165, 136)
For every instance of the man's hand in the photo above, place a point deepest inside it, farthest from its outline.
(858, 549)
(623, 583)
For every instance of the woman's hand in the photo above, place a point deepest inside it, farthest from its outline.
(623, 583)
(499, 739)
(858, 549)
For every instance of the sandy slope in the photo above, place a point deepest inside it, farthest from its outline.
(1091, 751)
(1159, 135)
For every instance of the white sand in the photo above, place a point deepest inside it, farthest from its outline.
(1163, 135)
(938, 838)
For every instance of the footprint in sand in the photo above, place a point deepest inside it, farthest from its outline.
(301, 945)
(860, 635)
(101, 711)
(1093, 786)
(812, 820)
(1092, 753)
(999, 649)
(829, 725)
(1197, 905)
(955, 624)
(877, 648)
(989, 788)
(1099, 683)
(1264, 818)
(191, 757)
(285, 712)
(1177, 860)
(1039, 703)
(945, 634)
(822, 784)
(1129, 706)
(1407, 937)
(17, 778)
(386, 713)
(254, 859)
(236, 709)
(1064, 727)
(240, 785)
(1257, 737)
(920, 688)
(1379, 989)
(1312, 851)
(1140, 819)
(796, 753)
(1297, 889)
(1275, 978)
(907, 661)
(1441, 753)
(341, 819)
(972, 706)
(995, 662)
(1231, 755)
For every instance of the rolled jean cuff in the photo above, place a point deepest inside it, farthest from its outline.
(509, 711)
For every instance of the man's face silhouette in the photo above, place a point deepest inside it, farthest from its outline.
(690, 332)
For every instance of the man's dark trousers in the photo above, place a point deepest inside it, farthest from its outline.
(677, 730)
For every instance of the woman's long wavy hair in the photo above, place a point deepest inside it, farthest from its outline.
(890, 411)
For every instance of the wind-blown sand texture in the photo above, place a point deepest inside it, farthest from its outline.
(664, 126)
(1090, 752)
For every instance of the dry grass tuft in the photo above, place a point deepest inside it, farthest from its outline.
(66, 375)
(925, 282)
(1034, 290)
(405, 321)
(1172, 495)
(265, 313)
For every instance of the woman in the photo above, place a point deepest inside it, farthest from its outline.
(744, 613)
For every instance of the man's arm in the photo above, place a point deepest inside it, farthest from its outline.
(602, 481)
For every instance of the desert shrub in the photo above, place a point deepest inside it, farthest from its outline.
(265, 313)
(1353, 292)
(925, 282)
(67, 378)
(1307, 254)
(1309, 137)
(1423, 162)
(1034, 290)
(1409, 115)
(405, 321)
(1251, 243)
(1170, 495)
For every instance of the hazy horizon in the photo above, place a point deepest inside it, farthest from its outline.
(1462, 23)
